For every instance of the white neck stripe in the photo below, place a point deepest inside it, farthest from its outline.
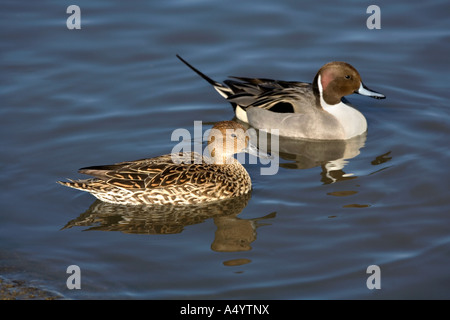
(323, 103)
(352, 121)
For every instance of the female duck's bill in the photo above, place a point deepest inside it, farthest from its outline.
(161, 180)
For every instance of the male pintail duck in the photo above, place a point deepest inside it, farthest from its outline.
(298, 109)
(178, 179)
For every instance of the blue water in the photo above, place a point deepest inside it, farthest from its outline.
(114, 91)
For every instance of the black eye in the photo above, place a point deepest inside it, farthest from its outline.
(348, 77)
(233, 135)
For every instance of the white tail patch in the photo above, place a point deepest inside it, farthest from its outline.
(224, 92)
(241, 114)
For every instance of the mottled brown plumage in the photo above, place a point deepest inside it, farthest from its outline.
(186, 178)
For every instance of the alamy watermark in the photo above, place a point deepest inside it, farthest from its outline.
(374, 280)
(74, 20)
(374, 21)
(74, 280)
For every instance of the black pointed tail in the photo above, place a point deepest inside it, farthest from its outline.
(223, 90)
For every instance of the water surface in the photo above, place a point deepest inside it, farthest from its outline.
(114, 91)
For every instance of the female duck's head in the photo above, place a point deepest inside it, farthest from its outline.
(228, 138)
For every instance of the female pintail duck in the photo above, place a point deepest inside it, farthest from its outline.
(184, 178)
(299, 109)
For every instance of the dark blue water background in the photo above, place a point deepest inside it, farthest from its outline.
(114, 91)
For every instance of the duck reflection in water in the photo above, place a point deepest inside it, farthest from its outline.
(331, 155)
(232, 234)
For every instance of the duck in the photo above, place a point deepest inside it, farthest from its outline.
(316, 111)
(182, 178)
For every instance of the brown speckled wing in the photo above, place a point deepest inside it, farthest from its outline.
(152, 173)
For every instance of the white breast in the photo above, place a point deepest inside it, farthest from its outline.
(353, 122)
